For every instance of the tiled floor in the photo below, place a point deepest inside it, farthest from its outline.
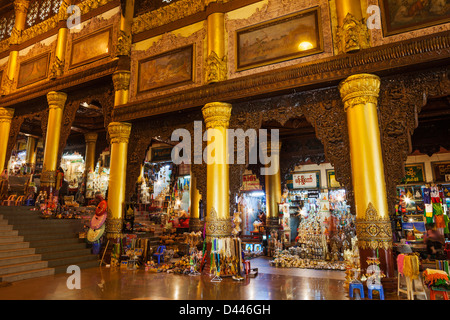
(106, 284)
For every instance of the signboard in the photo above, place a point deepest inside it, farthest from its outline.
(441, 171)
(414, 173)
(250, 183)
(161, 154)
(331, 180)
(313, 194)
(306, 180)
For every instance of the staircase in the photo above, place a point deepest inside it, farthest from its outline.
(33, 247)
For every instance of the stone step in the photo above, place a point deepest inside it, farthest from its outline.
(60, 247)
(46, 230)
(8, 233)
(14, 245)
(49, 236)
(16, 252)
(11, 239)
(67, 261)
(13, 268)
(19, 259)
(82, 265)
(5, 227)
(53, 242)
(66, 253)
(17, 276)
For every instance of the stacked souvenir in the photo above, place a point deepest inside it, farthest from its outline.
(436, 279)
(226, 257)
(311, 239)
(287, 260)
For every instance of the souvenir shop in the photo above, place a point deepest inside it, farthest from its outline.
(422, 203)
(73, 167)
(318, 228)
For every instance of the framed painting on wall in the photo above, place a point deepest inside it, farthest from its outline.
(33, 70)
(407, 15)
(91, 48)
(166, 70)
(414, 173)
(289, 37)
(441, 171)
(331, 180)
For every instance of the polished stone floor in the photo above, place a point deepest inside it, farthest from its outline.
(114, 284)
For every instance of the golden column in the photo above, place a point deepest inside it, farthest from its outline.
(91, 140)
(373, 227)
(121, 80)
(31, 152)
(20, 10)
(352, 32)
(56, 102)
(218, 221)
(216, 64)
(6, 116)
(57, 68)
(195, 224)
(119, 133)
(273, 190)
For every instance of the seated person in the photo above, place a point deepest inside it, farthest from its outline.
(434, 240)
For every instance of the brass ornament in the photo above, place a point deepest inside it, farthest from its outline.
(119, 132)
(195, 224)
(113, 227)
(215, 227)
(374, 231)
(48, 178)
(359, 89)
(57, 68)
(6, 114)
(216, 68)
(124, 43)
(353, 35)
(216, 114)
(121, 80)
(56, 100)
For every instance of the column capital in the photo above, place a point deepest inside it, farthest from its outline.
(6, 114)
(90, 137)
(21, 6)
(119, 132)
(217, 114)
(359, 89)
(121, 80)
(56, 99)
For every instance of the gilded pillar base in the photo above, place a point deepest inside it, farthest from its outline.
(48, 181)
(114, 228)
(195, 224)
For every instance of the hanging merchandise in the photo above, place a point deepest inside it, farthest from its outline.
(94, 235)
(225, 258)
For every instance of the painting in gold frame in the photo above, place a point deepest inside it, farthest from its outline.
(289, 37)
(166, 70)
(91, 48)
(331, 179)
(33, 70)
(400, 16)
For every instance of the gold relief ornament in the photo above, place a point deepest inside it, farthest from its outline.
(56, 100)
(21, 6)
(121, 80)
(359, 89)
(57, 68)
(119, 132)
(215, 227)
(15, 37)
(62, 12)
(124, 43)
(113, 227)
(353, 35)
(374, 231)
(216, 68)
(90, 137)
(217, 114)
(6, 114)
(48, 178)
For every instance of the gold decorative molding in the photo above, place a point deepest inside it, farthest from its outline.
(113, 227)
(169, 13)
(353, 35)
(373, 231)
(124, 43)
(62, 12)
(121, 80)
(90, 137)
(56, 99)
(216, 68)
(21, 6)
(359, 89)
(48, 178)
(7, 85)
(16, 36)
(57, 68)
(217, 114)
(215, 227)
(119, 132)
(6, 114)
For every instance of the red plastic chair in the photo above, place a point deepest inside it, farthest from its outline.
(434, 292)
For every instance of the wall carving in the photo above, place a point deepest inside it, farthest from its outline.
(167, 42)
